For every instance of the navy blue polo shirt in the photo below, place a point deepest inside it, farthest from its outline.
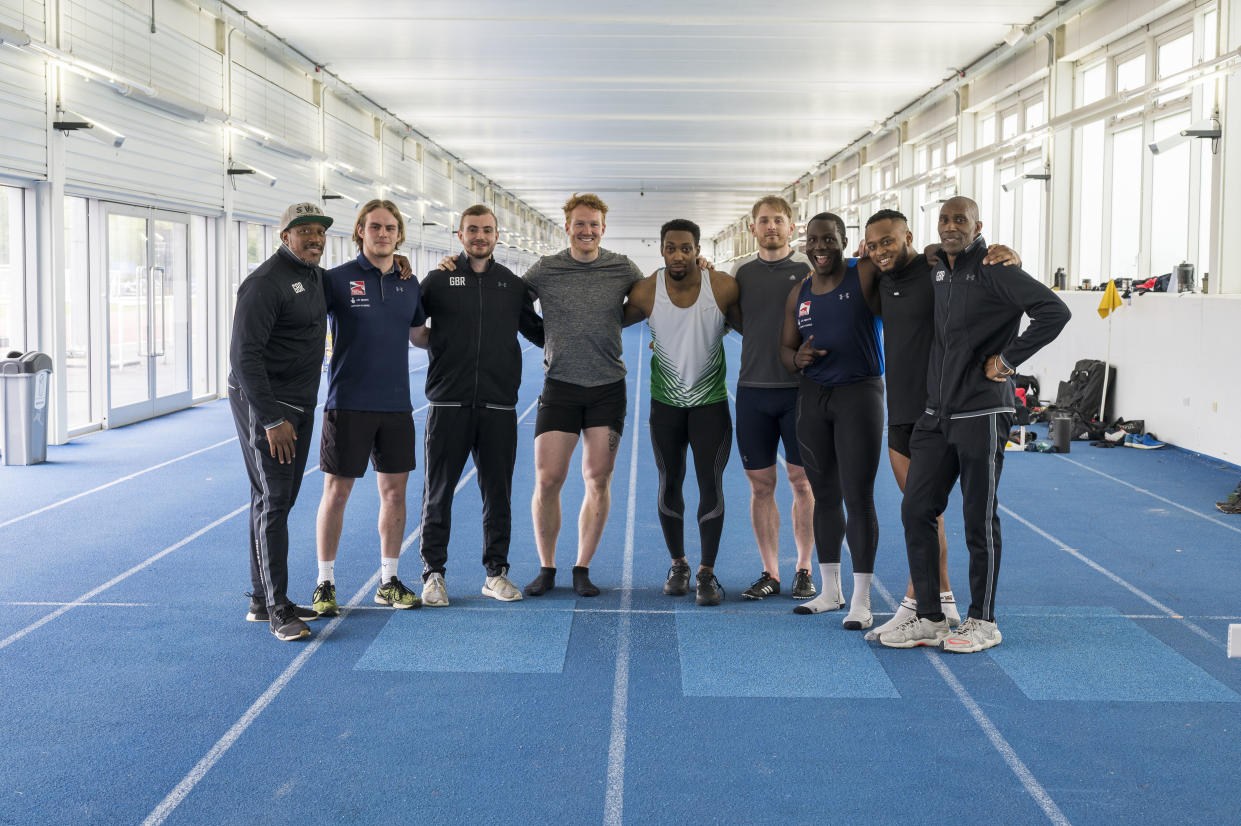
(369, 314)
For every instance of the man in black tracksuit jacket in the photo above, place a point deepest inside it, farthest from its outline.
(969, 410)
(276, 355)
(476, 312)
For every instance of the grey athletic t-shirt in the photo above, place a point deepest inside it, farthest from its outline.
(764, 287)
(582, 315)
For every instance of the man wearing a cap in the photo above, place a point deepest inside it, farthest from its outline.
(276, 356)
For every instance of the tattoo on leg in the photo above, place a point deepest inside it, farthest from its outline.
(613, 440)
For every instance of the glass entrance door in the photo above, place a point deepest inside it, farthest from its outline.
(148, 314)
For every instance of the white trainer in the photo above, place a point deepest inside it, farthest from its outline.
(434, 594)
(501, 588)
(970, 636)
(915, 631)
(907, 609)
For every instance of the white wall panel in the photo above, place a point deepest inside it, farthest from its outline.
(277, 111)
(164, 158)
(436, 186)
(345, 144)
(28, 15)
(932, 119)
(253, 197)
(112, 35)
(23, 114)
(400, 165)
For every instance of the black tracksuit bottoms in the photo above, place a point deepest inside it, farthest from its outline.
(273, 491)
(453, 434)
(941, 450)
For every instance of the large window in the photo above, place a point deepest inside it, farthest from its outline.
(12, 271)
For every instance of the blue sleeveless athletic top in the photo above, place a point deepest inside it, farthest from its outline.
(844, 326)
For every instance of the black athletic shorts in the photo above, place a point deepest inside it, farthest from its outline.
(898, 438)
(571, 408)
(351, 436)
(766, 416)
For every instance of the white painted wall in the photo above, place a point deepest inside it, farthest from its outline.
(1176, 360)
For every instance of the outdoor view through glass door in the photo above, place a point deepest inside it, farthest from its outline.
(148, 314)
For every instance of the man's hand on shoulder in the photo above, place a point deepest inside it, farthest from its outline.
(449, 263)
(1000, 254)
(403, 267)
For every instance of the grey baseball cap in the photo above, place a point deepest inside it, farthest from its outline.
(303, 213)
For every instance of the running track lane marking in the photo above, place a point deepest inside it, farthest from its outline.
(1133, 589)
(196, 774)
(1006, 751)
(133, 475)
(614, 801)
(1207, 517)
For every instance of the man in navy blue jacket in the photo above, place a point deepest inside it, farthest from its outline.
(368, 414)
(978, 311)
(276, 353)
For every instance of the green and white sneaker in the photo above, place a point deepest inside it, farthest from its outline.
(914, 632)
(970, 636)
(324, 599)
(434, 594)
(502, 588)
(394, 593)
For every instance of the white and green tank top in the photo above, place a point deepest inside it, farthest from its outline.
(687, 368)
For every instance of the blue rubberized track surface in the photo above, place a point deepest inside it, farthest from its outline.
(133, 690)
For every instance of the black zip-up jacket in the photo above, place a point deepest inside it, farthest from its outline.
(475, 358)
(978, 311)
(278, 338)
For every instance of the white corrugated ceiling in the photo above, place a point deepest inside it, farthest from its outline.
(689, 109)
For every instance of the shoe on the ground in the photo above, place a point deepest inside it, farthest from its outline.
(803, 585)
(502, 588)
(914, 631)
(1232, 504)
(258, 612)
(678, 580)
(970, 636)
(394, 593)
(904, 611)
(544, 582)
(710, 591)
(764, 586)
(434, 594)
(858, 619)
(286, 626)
(324, 599)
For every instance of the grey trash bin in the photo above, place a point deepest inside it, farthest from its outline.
(24, 387)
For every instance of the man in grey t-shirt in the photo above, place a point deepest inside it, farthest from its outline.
(581, 290)
(767, 396)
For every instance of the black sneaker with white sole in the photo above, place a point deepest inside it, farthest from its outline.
(678, 580)
(286, 626)
(258, 612)
(764, 586)
(710, 591)
(803, 585)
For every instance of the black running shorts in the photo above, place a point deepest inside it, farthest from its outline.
(351, 436)
(571, 408)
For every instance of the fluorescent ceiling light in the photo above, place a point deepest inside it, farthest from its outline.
(1203, 129)
(114, 137)
(1020, 180)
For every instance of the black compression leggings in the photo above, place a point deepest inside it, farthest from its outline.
(708, 431)
(840, 434)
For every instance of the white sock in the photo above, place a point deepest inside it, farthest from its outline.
(907, 609)
(327, 571)
(860, 601)
(948, 604)
(829, 599)
(387, 566)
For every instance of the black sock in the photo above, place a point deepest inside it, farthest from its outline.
(932, 617)
(544, 582)
(582, 583)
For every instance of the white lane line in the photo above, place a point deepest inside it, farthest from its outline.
(1006, 751)
(107, 485)
(174, 798)
(1154, 495)
(12, 638)
(614, 801)
(83, 604)
(1133, 589)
